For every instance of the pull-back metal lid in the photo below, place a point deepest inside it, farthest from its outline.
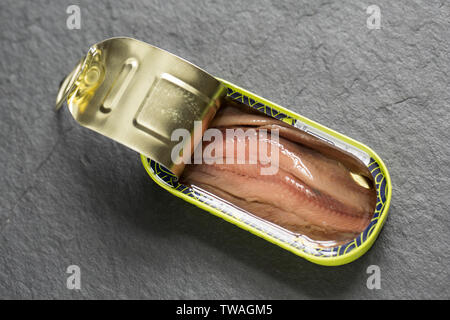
(138, 95)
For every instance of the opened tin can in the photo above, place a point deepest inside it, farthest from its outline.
(138, 95)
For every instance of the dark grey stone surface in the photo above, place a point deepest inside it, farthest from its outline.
(69, 196)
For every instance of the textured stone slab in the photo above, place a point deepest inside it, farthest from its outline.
(70, 196)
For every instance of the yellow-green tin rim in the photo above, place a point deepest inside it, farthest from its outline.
(326, 261)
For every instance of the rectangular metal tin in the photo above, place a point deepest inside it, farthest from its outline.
(334, 256)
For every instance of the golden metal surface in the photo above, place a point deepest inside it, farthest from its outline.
(137, 94)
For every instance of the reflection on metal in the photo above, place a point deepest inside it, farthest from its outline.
(138, 94)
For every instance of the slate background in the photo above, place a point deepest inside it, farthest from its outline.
(69, 196)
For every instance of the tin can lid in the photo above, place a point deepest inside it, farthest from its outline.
(138, 95)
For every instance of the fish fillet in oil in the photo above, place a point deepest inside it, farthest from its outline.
(312, 194)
